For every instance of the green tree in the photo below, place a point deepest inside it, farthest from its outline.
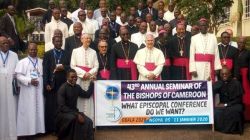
(210, 9)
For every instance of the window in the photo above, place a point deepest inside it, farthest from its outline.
(247, 9)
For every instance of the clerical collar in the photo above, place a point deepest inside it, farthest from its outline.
(78, 36)
(131, 26)
(32, 58)
(224, 45)
(125, 43)
(85, 48)
(181, 37)
(70, 84)
(58, 50)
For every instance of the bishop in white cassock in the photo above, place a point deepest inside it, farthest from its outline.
(149, 61)
(55, 23)
(140, 38)
(30, 110)
(204, 55)
(84, 61)
(8, 101)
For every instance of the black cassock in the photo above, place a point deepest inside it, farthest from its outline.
(244, 67)
(165, 74)
(104, 61)
(229, 52)
(176, 44)
(229, 119)
(68, 127)
(71, 43)
(117, 52)
(55, 80)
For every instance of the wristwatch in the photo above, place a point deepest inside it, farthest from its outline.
(225, 105)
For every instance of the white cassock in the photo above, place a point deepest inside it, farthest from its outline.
(86, 58)
(203, 44)
(30, 109)
(168, 16)
(74, 15)
(87, 28)
(146, 55)
(52, 26)
(50, 46)
(8, 101)
(138, 39)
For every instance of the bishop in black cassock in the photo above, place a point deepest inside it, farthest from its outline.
(55, 65)
(122, 55)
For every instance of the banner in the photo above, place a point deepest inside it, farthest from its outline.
(153, 103)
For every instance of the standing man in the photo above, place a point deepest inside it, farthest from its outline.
(122, 55)
(150, 10)
(244, 66)
(8, 101)
(92, 22)
(97, 12)
(74, 15)
(229, 55)
(48, 15)
(169, 15)
(113, 25)
(55, 65)
(180, 48)
(64, 17)
(140, 37)
(232, 43)
(74, 41)
(84, 61)
(8, 28)
(149, 61)
(104, 61)
(55, 23)
(30, 111)
(161, 43)
(204, 54)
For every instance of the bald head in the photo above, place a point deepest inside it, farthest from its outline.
(77, 28)
(32, 50)
(241, 43)
(58, 33)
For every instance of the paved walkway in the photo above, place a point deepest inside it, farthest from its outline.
(162, 133)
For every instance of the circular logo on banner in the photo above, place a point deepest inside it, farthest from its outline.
(114, 114)
(112, 93)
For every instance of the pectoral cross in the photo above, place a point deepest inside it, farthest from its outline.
(126, 61)
(181, 52)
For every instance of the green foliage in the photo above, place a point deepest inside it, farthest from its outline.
(210, 9)
(24, 26)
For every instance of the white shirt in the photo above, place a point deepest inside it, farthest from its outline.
(52, 26)
(74, 15)
(138, 39)
(168, 16)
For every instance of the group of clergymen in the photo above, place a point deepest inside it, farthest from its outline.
(150, 50)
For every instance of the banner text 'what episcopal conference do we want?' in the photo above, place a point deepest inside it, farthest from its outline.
(153, 103)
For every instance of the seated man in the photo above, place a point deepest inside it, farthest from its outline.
(228, 113)
(70, 123)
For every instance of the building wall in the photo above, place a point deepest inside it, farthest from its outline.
(233, 21)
